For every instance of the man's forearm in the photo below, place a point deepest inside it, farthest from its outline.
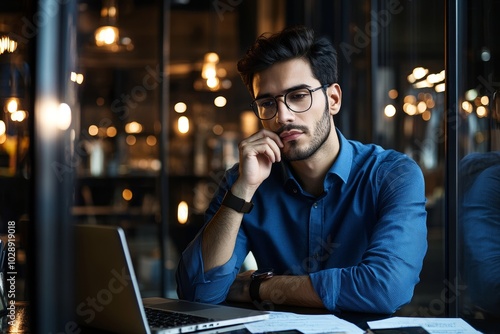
(219, 237)
(290, 290)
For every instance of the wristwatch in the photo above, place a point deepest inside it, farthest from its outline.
(236, 203)
(257, 277)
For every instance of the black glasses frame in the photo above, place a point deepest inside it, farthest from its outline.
(255, 107)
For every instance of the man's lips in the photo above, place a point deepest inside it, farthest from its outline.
(290, 135)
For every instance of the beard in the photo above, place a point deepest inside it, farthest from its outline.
(321, 133)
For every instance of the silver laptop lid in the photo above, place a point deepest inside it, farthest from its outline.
(107, 294)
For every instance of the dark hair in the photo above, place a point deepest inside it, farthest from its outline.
(292, 42)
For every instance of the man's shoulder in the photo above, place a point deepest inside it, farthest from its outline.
(371, 152)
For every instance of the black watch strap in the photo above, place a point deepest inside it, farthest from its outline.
(254, 290)
(257, 277)
(236, 203)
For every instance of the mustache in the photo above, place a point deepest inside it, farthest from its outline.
(289, 127)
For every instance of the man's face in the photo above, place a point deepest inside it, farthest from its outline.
(303, 134)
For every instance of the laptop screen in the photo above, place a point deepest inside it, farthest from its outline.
(108, 295)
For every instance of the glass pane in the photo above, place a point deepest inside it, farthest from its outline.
(120, 131)
(207, 105)
(479, 166)
(16, 119)
(117, 142)
(397, 60)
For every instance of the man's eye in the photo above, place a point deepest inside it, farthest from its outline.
(266, 104)
(300, 95)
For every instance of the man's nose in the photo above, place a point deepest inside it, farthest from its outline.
(283, 113)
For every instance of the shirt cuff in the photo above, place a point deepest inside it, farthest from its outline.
(211, 286)
(326, 283)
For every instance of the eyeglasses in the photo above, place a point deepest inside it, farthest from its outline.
(298, 100)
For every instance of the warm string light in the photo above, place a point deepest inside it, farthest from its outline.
(420, 78)
(7, 45)
(182, 212)
(209, 70)
(183, 124)
(3, 128)
(423, 103)
(12, 105)
(108, 34)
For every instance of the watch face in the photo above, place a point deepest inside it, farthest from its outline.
(263, 273)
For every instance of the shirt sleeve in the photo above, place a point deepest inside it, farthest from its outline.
(480, 221)
(193, 283)
(385, 278)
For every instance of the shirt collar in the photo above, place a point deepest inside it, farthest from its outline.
(341, 167)
(343, 164)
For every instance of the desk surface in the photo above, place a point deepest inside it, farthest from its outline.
(486, 326)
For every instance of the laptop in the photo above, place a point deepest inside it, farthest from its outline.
(108, 297)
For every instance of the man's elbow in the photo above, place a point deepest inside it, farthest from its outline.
(198, 292)
(390, 306)
(392, 297)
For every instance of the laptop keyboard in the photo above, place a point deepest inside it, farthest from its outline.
(163, 319)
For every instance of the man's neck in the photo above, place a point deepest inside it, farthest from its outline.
(311, 172)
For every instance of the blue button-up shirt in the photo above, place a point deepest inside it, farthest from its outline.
(479, 218)
(362, 242)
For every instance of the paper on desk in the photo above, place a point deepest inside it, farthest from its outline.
(432, 325)
(306, 323)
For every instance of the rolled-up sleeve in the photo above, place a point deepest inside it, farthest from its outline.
(196, 285)
(193, 283)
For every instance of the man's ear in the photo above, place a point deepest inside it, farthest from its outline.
(334, 94)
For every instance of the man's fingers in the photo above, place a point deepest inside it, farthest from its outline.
(262, 143)
(263, 134)
(263, 146)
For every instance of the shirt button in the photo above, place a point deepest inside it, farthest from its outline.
(294, 190)
(315, 205)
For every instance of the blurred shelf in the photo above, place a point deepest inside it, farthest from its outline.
(105, 210)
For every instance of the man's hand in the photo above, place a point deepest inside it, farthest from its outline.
(239, 290)
(257, 154)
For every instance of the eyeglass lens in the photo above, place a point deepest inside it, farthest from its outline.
(299, 100)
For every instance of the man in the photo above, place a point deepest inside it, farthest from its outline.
(480, 226)
(479, 219)
(342, 224)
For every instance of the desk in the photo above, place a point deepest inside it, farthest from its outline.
(491, 326)
(486, 326)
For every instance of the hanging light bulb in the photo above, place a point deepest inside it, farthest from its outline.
(12, 105)
(7, 45)
(209, 70)
(210, 62)
(182, 212)
(108, 34)
(212, 76)
(3, 128)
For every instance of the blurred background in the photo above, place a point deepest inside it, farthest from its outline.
(127, 112)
